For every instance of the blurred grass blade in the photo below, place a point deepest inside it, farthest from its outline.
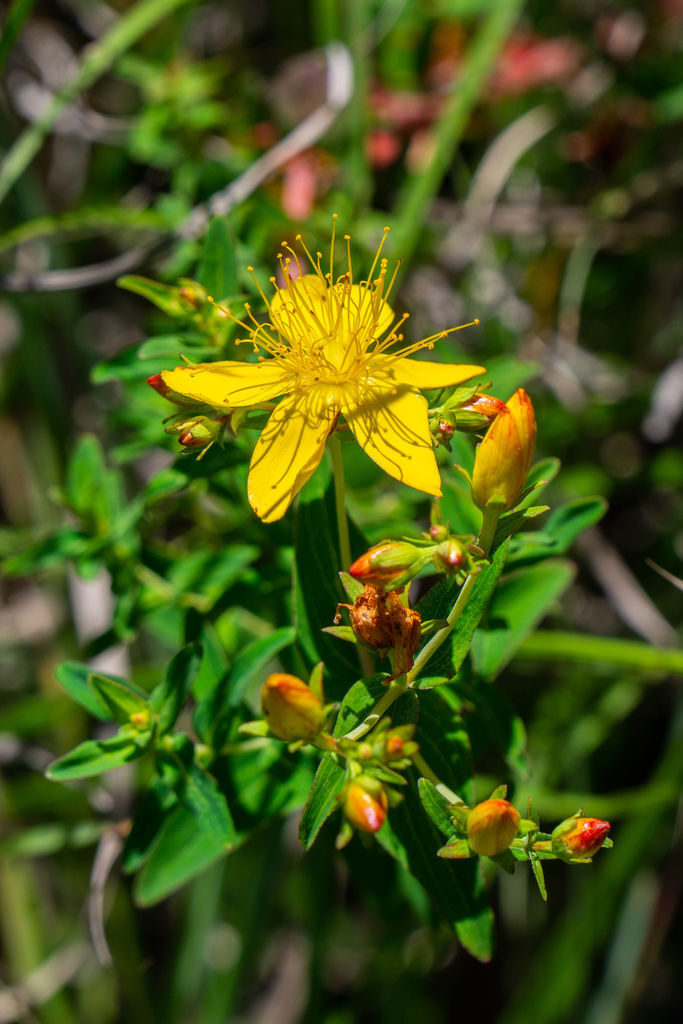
(98, 58)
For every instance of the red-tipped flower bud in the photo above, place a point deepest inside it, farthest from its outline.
(504, 456)
(391, 563)
(365, 804)
(579, 837)
(451, 556)
(484, 405)
(491, 827)
(291, 709)
(196, 431)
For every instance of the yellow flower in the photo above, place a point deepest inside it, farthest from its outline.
(504, 456)
(331, 347)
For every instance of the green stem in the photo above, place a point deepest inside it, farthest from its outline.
(394, 691)
(343, 529)
(484, 541)
(417, 194)
(98, 58)
(340, 501)
(441, 787)
(438, 639)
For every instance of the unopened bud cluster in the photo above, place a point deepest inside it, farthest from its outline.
(467, 409)
(494, 828)
(391, 564)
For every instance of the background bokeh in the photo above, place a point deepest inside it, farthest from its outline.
(527, 157)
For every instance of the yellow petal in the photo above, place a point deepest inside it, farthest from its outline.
(288, 451)
(229, 384)
(420, 373)
(498, 465)
(393, 430)
(523, 413)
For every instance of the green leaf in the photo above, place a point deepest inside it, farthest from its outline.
(322, 800)
(342, 633)
(268, 781)
(556, 645)
(50, 553)
(200, 793)
(73, 676)
(212, 573)
(171, 345)
(562, 528)
(85, 473)
(214, 662)
(331, 775)
(436, 807)
(494, 720)
(444, 742)
(218, 266)
(455, 887)
(212, 717)
(541, 473)
(127, 365)
(179, 852)
(438, 603)
(149, 817)
(316, 587)
(520, 602)
(163, 296)
(94, 757)
(455, 849)
(537, 869)
(511, 522)
(353, 588)
(120, 698)
(168, 698)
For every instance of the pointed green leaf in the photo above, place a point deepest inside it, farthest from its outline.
(455, 849)
(163, 296)
(119, 697)
(73, 676)
(331, 774)
(436, 807)
(180, 852)
(213, 715)
(438, 603)
(518, 605)
(152, 811)
(201, 795)
(455, 886)
(168, 698)
(94, 757)
(217, 270)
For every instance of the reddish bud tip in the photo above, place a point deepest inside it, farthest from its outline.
(394, 748)
(157, 383)
(579, 837)
(365, 804)
(391, 562)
